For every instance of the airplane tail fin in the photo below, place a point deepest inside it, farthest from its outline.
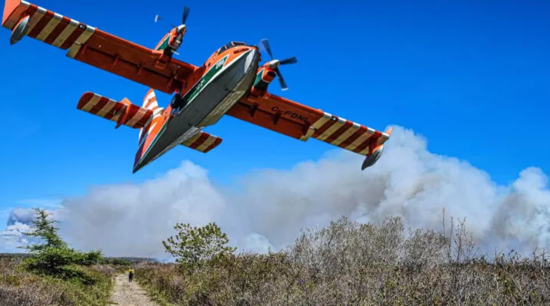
(149, 103)
(150, 100)
(150, 130)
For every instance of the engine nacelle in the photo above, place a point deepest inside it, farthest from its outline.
(264, 77)
(19, 30)
(171, 42)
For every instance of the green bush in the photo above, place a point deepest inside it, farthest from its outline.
(193, 246)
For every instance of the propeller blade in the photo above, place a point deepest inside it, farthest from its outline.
(264, 44)
(281, 79)
(185, 14)
(290, 60)
(157, 18)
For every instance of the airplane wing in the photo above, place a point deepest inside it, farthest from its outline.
(98, 48)
(123, 113)
(202, 142)
(302, 122)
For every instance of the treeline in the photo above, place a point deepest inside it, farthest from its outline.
(347, 263)
(106, 259)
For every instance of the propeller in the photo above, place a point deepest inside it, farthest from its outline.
(275, 63)
(185, 14)
(183, 19)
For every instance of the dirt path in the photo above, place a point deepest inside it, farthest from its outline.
(129, 294)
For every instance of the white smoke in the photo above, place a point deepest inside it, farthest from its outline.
(271, 206)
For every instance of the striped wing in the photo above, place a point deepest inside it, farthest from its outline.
(203, 142)
(109, 109)
(302, 122)
(98, 48)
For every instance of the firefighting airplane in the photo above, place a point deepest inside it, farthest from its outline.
(231, 82)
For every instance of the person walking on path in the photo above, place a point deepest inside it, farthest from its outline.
(131, 274)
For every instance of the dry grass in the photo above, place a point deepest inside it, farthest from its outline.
(20, 288)
(360, 264)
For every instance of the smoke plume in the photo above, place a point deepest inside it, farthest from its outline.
(270, 206)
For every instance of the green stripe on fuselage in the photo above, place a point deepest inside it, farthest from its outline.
(190, 95)
(218, 66)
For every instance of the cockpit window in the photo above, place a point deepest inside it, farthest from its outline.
(231, 44)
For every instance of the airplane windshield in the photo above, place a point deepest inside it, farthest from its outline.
(230, 45)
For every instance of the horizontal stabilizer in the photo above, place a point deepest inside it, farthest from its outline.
(203, 142)
(123, 113)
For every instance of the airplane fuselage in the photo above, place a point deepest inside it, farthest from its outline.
(216, 86)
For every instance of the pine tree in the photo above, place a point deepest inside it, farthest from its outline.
(44, 228)
(52, 256)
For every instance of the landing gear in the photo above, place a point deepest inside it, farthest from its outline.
(178, 102)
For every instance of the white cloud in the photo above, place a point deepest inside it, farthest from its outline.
(271, 206)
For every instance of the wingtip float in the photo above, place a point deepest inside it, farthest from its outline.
(231, 82)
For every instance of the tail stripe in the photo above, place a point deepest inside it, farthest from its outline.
(136, 118)
(150, 101)
(213, 145)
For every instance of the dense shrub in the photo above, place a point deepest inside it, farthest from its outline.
(348, 263)
(21, 288)
(51, 256)
(52, 273)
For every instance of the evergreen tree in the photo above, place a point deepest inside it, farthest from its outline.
(52, 256)
(44, 228)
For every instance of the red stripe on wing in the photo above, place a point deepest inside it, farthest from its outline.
(354, 136)
(41, 24)
(325, 126)
(367, 142)
(340, 131)
(73, 37)
(57, 30)
(31, 10)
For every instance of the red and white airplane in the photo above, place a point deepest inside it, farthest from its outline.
(231, 82)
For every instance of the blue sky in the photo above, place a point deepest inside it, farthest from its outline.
(472, 77)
